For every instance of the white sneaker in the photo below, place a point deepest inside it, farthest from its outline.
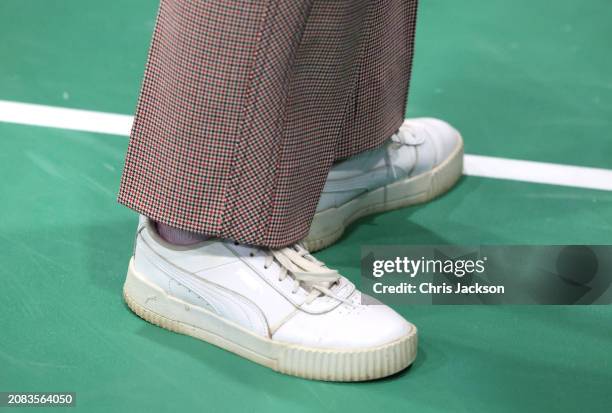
(279, 308)
(421, 161)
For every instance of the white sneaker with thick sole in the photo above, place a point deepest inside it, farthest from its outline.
(280, 308)
(423, 160)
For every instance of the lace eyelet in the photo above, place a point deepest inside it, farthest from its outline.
(265, 268)
(236, 243)
(251, 254)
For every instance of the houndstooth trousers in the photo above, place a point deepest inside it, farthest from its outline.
(246, 104)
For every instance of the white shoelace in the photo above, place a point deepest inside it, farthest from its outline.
(305, 270)
(408, 136)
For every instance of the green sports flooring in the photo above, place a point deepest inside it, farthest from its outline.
(522, 79)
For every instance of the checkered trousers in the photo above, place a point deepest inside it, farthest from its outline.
(246, 104)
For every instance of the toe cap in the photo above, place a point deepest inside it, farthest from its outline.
(346, 327)
(444, 138)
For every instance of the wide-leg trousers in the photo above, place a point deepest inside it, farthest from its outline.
(246, 104)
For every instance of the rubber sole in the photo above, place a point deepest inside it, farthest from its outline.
(154, 305)
(329, 225)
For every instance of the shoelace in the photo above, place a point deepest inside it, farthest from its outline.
(305, 270)
(408, 136)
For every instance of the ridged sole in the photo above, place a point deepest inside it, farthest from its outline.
(154, 305)
(329, 225)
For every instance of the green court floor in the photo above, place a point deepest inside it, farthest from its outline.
(522, 79)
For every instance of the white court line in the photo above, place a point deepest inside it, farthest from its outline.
(63, 118)
(475, 165)
(538, 172)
